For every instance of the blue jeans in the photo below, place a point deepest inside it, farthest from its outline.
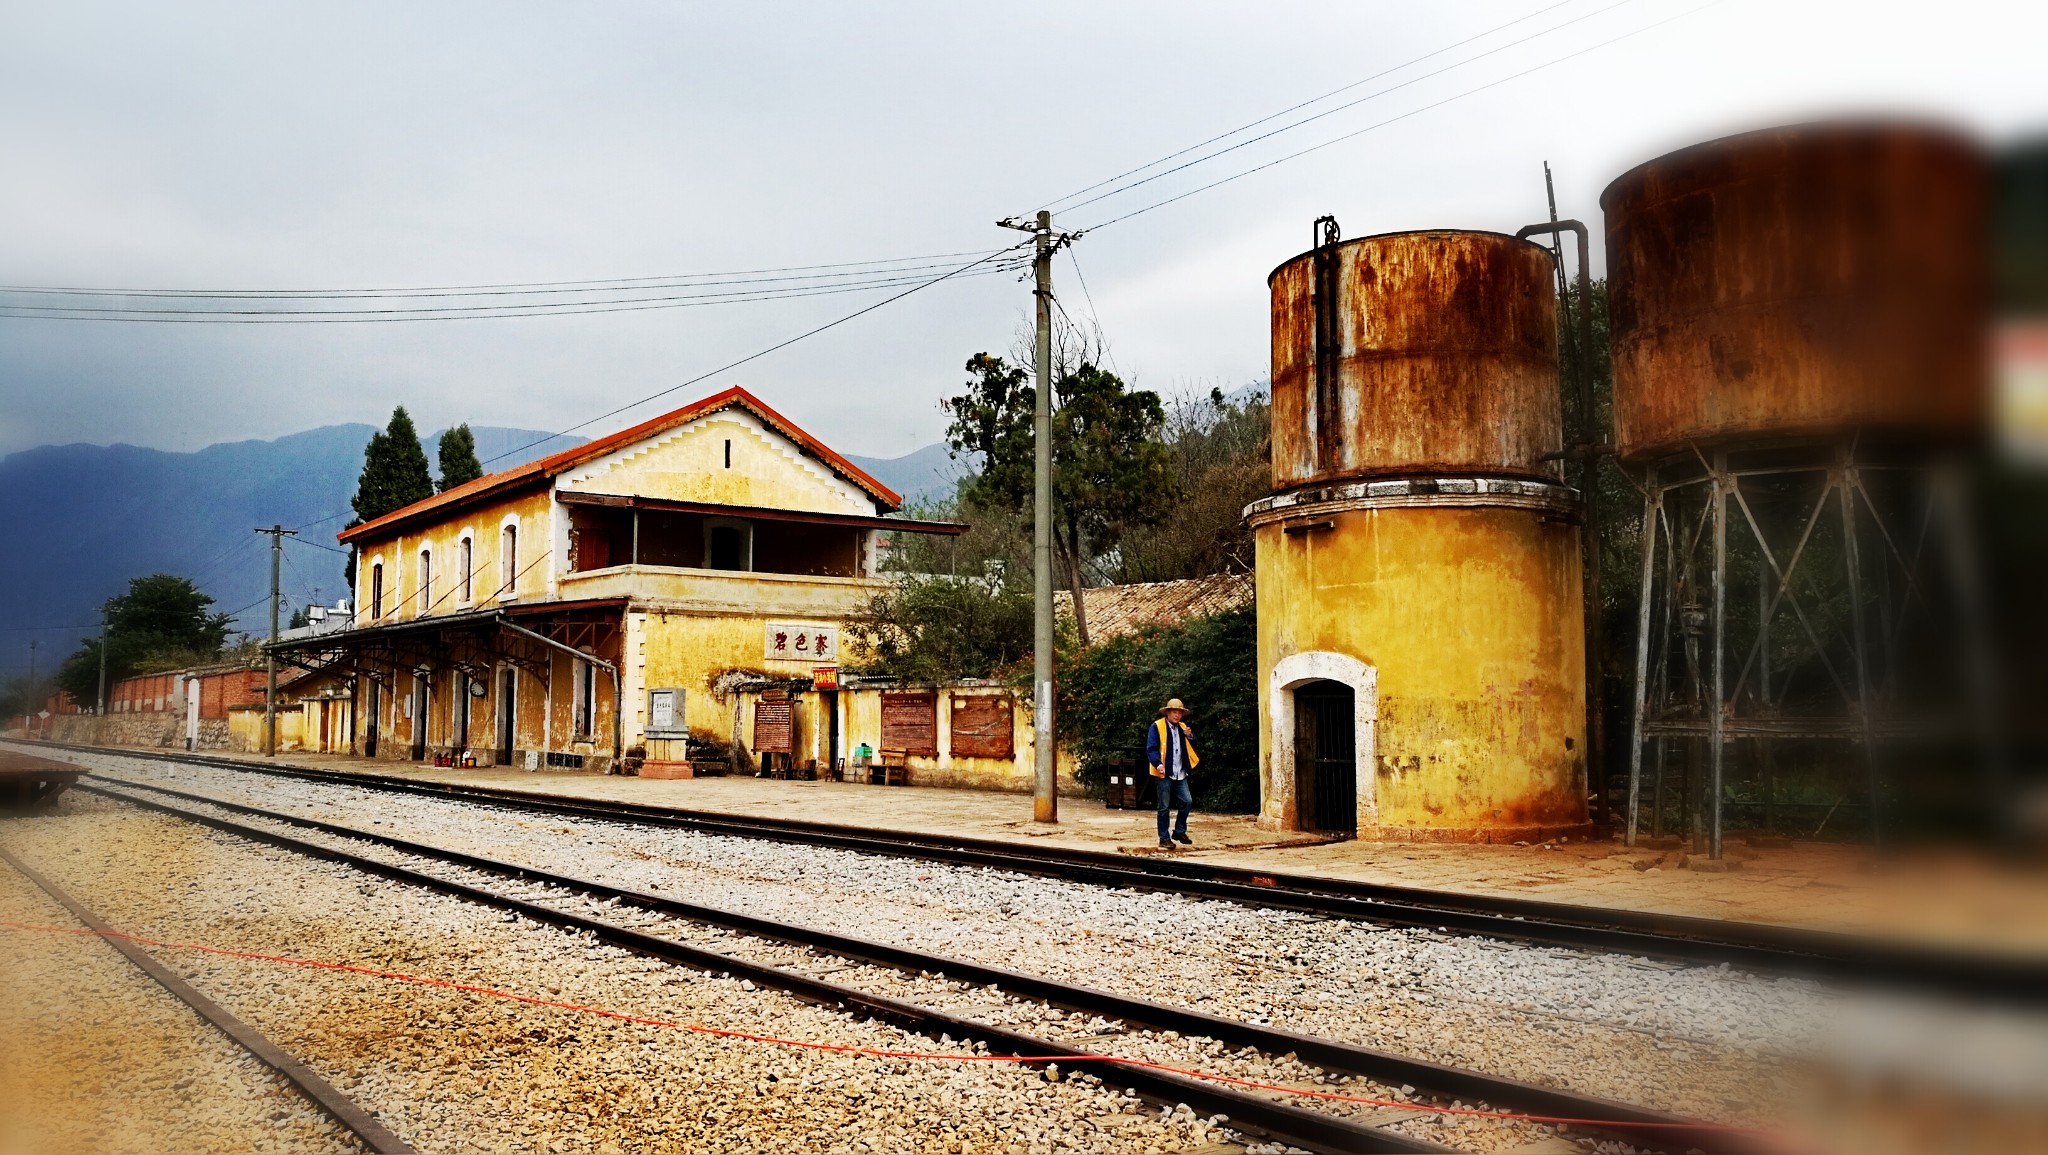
(1174, 793)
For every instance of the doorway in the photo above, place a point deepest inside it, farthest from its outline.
(376, 712)
(464, 684)
(508, 713)
(419, 717)
(1326, 756)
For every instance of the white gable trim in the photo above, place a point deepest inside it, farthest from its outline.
(858, 500)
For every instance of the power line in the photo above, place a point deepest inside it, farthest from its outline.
(1285, 128)
(60, 312)
(1403, 116)
(488, 289)
(1053, 204)
(755, 356)
(956, 271)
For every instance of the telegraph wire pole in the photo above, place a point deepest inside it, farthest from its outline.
(100, 707)
(1045, 802)
(277, 535)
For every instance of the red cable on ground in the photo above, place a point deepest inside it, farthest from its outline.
(872, 1052)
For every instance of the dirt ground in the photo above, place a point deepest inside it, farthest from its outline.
(1954, 898)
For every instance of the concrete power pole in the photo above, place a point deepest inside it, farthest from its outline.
(277, 535)
(100, 707)
(1045, 799)
(1045, 803)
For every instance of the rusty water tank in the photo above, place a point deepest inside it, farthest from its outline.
(1439, 356)
(1805, 280)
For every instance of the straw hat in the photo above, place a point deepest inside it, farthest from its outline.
(1173, 704)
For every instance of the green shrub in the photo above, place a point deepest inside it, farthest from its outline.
(1112, 691)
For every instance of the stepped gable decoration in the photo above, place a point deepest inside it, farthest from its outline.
(549, 467)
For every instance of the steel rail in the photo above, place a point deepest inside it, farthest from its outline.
(1637, 1124)
(1313, 1130)
(343, 1110)
(1762, 947)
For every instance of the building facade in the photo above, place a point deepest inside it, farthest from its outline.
(609, 597)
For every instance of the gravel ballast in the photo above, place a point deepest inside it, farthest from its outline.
(1698, 1041)
(97, 1059)
(454, 1071)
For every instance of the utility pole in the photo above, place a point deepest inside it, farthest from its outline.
(1045, 803)
(277, 535)
(100, 707)
(31, 672)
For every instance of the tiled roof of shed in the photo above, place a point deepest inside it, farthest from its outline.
(1117, 610)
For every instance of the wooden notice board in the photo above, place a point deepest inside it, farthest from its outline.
(982, 727)
(910, 723)
(772, 727)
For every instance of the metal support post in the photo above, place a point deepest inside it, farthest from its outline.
(1652, 500)
(1717, 754)
(1846, 483)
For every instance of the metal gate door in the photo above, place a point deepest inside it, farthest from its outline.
(1325, 711)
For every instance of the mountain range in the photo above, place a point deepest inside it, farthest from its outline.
(83, 519)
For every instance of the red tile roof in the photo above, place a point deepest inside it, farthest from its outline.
(548, 467)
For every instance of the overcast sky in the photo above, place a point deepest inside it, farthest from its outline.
(259, 145)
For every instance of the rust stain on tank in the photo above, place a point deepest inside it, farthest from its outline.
(1799, 280)
(1446, 360)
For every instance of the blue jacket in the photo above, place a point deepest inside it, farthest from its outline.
(1155, 747)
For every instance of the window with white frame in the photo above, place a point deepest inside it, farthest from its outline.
(376, 589)
(426, 580)
(466, 558)
(508, 560)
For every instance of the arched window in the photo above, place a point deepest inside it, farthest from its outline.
(466, 559)
(376, 590)
(508, 560)
(426, 580)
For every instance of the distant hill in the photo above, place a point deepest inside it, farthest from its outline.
(924, 475)
(82, 519)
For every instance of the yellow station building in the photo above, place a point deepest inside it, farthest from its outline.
(613, 596)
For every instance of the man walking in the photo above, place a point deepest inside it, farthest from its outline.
(1170, 751)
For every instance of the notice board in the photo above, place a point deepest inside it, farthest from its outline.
(910, 722)
(982, 726)
(772, 727)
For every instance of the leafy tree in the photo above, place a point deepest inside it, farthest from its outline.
(934, 628)
(1110, 471)
(161, 623)
(1219, 452)
(458, 457)
(394, 475)
(1109, 693)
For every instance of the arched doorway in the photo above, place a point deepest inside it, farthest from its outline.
(1326, 756)
(1321, 683)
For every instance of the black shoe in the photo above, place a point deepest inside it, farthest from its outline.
(1182, 838)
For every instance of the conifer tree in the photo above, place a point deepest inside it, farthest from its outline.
(394, 475)
(458, 457)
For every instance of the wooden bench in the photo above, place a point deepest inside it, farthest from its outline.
(890, 768)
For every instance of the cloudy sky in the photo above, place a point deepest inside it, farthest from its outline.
(221, 146)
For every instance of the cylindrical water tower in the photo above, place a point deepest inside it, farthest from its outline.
(1798, 342)
(1421, 660)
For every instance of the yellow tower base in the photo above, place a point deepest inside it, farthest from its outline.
(1421, 660)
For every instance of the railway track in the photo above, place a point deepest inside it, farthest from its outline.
(365, 1126)
(1314, 1129)
(1837, 958)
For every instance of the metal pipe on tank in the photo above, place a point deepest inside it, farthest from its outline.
(1588, 451)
